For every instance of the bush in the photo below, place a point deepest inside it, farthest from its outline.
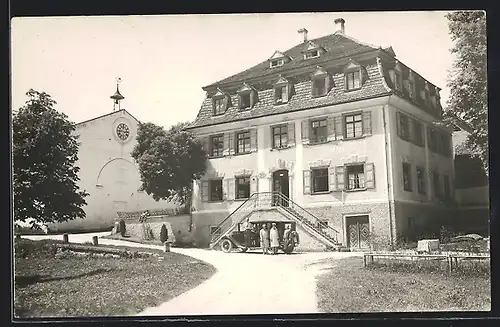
(122, 227)
(163, 233)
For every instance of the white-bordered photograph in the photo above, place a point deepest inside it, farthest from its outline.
(249, 164)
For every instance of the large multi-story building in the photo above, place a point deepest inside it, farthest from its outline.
(342, 130)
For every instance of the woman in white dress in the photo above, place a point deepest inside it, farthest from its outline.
(274, 238)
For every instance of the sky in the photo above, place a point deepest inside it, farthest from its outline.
(164, 61)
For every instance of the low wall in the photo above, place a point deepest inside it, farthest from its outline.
(473, 196)
(177, 227)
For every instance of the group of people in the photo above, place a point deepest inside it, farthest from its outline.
(269, 237)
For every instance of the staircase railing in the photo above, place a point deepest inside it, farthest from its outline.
(305, 216)
(236, 217)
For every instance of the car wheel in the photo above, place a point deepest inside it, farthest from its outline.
(288, 250)
(226, 245)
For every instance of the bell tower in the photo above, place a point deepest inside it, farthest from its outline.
(117, 97)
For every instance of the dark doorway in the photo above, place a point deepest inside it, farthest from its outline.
(280, 184)
(358, 232)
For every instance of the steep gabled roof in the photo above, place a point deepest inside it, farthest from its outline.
(336, 46)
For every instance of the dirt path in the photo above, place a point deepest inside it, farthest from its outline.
(245, 283)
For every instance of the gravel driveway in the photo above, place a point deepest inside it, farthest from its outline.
(245, 283)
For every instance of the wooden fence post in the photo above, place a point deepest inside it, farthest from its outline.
(450, 264)
(65, 238)
(95, 242)
(167, 247)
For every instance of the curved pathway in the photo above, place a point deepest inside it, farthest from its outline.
(245, 283)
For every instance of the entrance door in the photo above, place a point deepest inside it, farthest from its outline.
(358, 232)
(280, 184)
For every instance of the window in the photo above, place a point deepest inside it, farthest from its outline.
(243, 142)
(319, 86)
(436, 186)
(353, 80)
(397, 81)
(217, 145)
(432, 140)
(320, 180)
(421, 180)
(216, 190)
(280, 94)
(280, 136)
(404, 130)
(242, 187)
(417, 129)
(407, 176)
(312, 54)
(277, 63)
(355, 177)
(427, 97)
(353, 126)
(219, 107)
(214, 229)
(245, 100)
(319, 133)
(446, 182)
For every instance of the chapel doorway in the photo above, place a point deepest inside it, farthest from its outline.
(281, 185)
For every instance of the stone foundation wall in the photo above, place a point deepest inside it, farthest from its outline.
(177, 227)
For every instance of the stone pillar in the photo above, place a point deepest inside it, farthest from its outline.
(167, 247)
(65, 238)
(95, 241)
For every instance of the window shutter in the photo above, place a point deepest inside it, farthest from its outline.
(231, 143)
(398, 123)
(226, 144)
(287, 93)
(339, 131)
(367, 123)
(411, 129)
(226, 102)
(339, 178)
(291, 134)
(206, 144)
(369, 175)
(254, 185)
(253, 140)
(330, 122)
(328, 83)
(204, 191)
(307, 181)
(231, 188)
(305, 132)
(225, 188)
(331, 178)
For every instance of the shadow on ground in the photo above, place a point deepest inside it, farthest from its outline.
(23, 281)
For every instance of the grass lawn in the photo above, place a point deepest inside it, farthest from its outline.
(46, 285)
(348, 287)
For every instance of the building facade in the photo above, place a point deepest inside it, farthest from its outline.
(108, 172)
(341, 128)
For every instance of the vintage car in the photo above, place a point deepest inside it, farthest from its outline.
(236, 239)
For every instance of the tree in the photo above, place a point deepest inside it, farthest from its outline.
(45, 152)
(169, 161)
(468, 79)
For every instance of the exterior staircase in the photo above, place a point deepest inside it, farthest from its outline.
(267, 200)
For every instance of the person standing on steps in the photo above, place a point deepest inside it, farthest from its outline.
(264, 239)
(274, 237)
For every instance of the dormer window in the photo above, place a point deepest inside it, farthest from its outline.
(353, 76)
(411, 89)
(245, 101)
(282, 90)
(247, 97)
(312, 54)
(277, 63)
(321, 82)
(220, 103)
(397, 81)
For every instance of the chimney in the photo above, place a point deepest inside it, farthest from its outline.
(303, 31)
(339, 25)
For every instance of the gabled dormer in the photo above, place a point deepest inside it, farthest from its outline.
(396, 75)
(312, 50)
(353, 75)
(425, 94)
(282, 90)
(220, 102)
(278, 59)
(410, 84)
(247, 97)
(322, 82)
